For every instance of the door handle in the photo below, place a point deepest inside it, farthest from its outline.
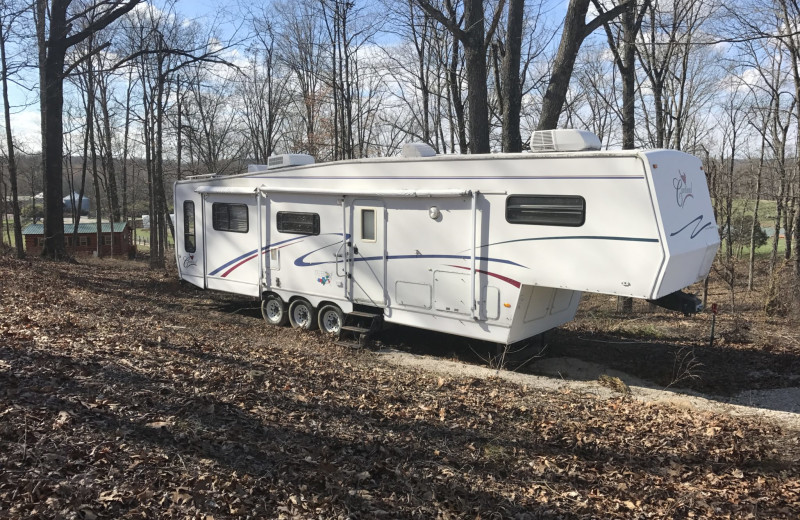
(355, 250)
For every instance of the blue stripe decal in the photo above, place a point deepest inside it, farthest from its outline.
(523, 177)
(300, 262)
(585, 237)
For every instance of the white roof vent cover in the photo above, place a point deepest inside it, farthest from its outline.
(288, 159)
(417, 150)
(564, 140)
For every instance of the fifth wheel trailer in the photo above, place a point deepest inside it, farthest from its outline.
(494, 247)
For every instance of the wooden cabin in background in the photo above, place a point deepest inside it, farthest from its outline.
(119, 238)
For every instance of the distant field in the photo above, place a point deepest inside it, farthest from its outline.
(143, 237)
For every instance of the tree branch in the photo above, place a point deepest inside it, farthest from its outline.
(85, 57)
(101, 23)
(603, 18)
(439, 16)
(495, 20)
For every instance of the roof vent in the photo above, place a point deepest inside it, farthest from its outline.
(564, 140)
(417, 150)
(283, 161)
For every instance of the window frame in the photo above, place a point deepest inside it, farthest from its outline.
(189, 246)
(229, 205)
(374, 238)
(547, 201)
(281, 225)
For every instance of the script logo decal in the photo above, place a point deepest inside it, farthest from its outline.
(697, 227)
(683, 190)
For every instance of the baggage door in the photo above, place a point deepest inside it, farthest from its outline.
(367, 253)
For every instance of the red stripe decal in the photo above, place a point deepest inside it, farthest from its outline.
(226, 273)
(498, 276)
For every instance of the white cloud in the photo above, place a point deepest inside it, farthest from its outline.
(26, 129)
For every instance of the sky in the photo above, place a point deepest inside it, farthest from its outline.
(25, 119)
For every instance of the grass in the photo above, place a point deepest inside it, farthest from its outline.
(144, 235)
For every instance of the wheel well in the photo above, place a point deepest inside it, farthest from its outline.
(266, 294)
(326, 302)
(298, 297)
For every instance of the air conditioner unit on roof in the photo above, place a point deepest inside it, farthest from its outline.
(564, 140)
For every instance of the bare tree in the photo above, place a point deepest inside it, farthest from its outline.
(9, 14)
(56, 34)
(475, 38)
(575, 31)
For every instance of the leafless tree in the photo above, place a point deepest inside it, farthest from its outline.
(576, 29)
(475, 39)
(10, 13)
(57, 30)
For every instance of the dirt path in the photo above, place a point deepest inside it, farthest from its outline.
(780, 406)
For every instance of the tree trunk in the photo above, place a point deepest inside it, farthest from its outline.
(113, 196)
(455, 94)
(574, 33)
(511, 85)
(12, 162)
(51, 55)
(571, 39)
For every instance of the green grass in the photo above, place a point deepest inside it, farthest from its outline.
(766, 216)
(144, 235)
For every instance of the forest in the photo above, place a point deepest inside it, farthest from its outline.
(125, 393)
(140, 94)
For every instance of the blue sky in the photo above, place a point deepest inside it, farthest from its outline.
(25, 120)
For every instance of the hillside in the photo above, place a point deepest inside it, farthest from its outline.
(124, 393)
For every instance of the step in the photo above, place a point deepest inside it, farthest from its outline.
(353, 328)
(362, 314)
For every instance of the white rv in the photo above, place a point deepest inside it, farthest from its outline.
(494, 247)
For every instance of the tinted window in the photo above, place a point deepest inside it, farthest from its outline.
(298, 223)
(230, 217)
(189, 243)
(546, 210)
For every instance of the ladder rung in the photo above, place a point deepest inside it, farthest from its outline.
(361, 314)
(353, 328)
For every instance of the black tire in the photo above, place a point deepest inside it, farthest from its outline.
(273, 309)
(330, 319)
(302, 315)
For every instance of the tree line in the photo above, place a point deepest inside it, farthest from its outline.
(135, 95)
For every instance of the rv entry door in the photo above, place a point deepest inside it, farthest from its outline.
(367, 253)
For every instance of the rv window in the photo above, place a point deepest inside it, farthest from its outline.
(189, 243)
(298, 223)
(230, 217)
(368, 225)
(546, 210)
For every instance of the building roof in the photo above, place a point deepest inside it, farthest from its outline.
(38, 229)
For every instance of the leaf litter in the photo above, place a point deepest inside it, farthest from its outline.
(126, 394)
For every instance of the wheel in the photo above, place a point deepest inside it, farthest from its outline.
(302, 315)
(331, 319)
(274, 310)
